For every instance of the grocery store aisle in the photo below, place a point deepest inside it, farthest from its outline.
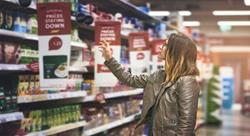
(234, 124)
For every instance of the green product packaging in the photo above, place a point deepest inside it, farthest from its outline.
(44, 120)
(39, 120)
(49, 118)
(2, 99)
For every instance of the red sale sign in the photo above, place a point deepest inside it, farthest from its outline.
(54, 18)
(139, 52)
(138, 41)
(156, 46)
(54, 29)
(109, 31)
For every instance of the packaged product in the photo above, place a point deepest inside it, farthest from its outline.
(1, 19)
(1, 53)
(32, 25)
(28, 54)
(9, 20)
(11, 53)
(2, 99)
(17, 23)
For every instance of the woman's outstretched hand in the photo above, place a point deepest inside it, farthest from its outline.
(106, 50)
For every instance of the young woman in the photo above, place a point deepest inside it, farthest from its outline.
(171, 95)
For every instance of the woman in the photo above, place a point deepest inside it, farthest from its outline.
(170, 96)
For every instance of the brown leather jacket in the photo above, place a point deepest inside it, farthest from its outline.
(175, 104)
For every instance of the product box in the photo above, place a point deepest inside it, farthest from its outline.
(9, 20)
(28, 53)
(1, 19)
(11, 53)
(2, 99)
(1, 53)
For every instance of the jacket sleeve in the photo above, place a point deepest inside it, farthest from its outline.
(137, 81)
(187, 101)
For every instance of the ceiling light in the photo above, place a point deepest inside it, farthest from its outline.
(167, 13)
(247, 2)
(191, 23)
(234, 23)
(231, 12)
(185, 13)
(159, 13)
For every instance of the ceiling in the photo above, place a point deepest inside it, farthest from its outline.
(202, 11)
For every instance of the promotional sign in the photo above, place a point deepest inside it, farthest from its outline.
(109, 31)
(156, 46)
(139, 52)
(54, 29)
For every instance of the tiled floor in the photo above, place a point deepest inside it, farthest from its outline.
(234, 124)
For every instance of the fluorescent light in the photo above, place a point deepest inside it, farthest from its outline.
(191, 23)
(185, 13)
(159, 13)
(230, 49)
(231, 12)
(234, 23)
(167, 13)
(247, 2)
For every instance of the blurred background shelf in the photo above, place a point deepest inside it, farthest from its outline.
(115, 94)
(50, 97)
(121, 6)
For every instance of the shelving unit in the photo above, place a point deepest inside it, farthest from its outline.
(115, 95)
(50, 97)
(26, 103)
(13, 67)
(59, 129)
(34, 37)
(9, 117)
(113, 124)
(121, 6)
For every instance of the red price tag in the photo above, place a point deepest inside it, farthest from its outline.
(33, 66)
(100, 98)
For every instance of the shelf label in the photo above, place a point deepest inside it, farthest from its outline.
(54, 29)
(109, 31)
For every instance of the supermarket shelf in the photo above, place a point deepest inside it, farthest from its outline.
(115, 95)
(12, 4)
(13, 67)
(59, 129)
(111, 125)
(34, 37)
(8, 117)
(79, 44)
(27, 103)
(50, 97)
(121, 6)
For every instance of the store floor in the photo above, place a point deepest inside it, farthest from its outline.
(234, 124)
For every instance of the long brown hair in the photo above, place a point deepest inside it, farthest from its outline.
(181, 54)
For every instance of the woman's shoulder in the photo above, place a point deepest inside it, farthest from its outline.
(188, 80)
(157, 76)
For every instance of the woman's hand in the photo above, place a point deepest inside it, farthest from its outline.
(106, 50)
